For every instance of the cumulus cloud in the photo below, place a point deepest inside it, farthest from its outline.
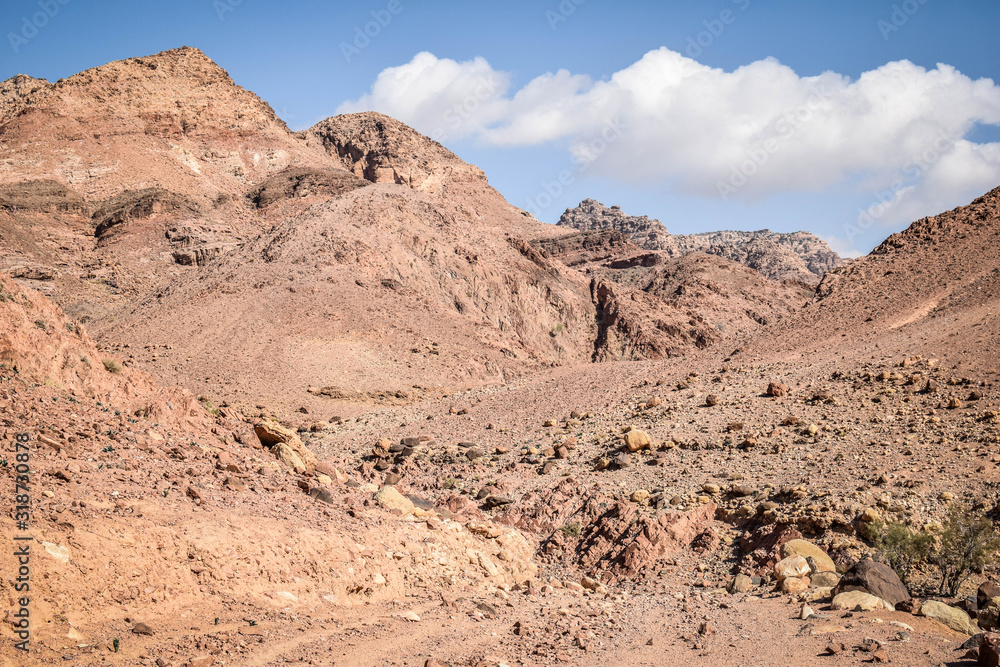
(743, 134)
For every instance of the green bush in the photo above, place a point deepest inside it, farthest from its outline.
(965, 545)
(903, 548)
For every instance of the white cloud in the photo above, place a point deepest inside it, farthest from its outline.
(756, 131)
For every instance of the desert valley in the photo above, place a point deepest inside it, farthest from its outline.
(326, 398)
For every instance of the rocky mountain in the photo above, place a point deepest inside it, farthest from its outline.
(390, 443)
(177, 215)
(798, 256)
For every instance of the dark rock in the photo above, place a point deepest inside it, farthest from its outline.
(989, 650)
(142, 629)
(987, 591)
(875, 578)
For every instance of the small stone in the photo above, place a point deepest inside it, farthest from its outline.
(637, 440)
(142, 629)
(741, 583)
(835, 648)
(640, 496)
(777, 389)
(390, 498)
(711, 400)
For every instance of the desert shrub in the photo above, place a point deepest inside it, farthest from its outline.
(903, 548)
(41, 325)
(965, 545)
(571, 529)
(112, 366)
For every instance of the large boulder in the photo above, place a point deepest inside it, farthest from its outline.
(874, 578)
(986, 592)
(953, 617)
(271, 434)
(793, 566)
(989, 650)
(989, 614)
(807, 549)
(858, 601)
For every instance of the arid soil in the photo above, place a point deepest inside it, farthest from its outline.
(346, 406)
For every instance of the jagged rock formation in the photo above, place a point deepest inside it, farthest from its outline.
(380, 149)
(798, 256)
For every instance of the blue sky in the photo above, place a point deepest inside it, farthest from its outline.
(683, 94)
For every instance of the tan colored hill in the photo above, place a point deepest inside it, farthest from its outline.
(930, 290)
(174, 120)
(382, 294)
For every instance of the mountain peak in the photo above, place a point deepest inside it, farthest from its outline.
(381, 149)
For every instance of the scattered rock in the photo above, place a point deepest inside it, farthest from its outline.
(776, 389)
(741, 583)
(711, 400)
(392, 499)
(142, 629)
(637, 440)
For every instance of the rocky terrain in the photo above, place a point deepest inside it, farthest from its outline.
(797, 256)
(349, 407)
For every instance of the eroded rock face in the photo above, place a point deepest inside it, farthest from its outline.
(609, 537)
(381, 149)
(798, 256)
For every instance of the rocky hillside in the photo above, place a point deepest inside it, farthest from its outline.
(175, 214)
(798, 256)
(931, 289)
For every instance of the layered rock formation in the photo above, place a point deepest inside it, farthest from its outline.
(798, 256)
